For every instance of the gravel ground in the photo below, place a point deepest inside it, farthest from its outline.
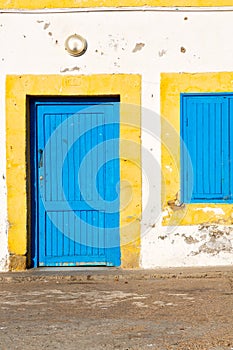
(159, 314)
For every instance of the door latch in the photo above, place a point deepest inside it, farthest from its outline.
(41, 158)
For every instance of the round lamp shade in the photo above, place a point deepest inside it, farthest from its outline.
(75, 45)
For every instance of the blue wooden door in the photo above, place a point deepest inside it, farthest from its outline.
(76, 149)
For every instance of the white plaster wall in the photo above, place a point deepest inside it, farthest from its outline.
(34, 43)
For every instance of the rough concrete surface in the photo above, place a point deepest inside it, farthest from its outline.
(194, 312)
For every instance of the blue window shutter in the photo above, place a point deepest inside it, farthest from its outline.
(205, 154)
(231, 143)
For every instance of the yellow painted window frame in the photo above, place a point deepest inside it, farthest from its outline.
(50, 4)
(128, 86)
(172, 84)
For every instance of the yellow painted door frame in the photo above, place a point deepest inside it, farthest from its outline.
(18, 88)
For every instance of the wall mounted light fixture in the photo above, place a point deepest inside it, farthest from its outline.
(75, 45)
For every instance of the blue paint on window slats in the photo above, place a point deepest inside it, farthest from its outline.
(72, 221)
(206, 150)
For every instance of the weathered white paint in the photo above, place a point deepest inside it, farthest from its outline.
(145, 43)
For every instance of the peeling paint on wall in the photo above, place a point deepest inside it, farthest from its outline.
(162, 53)
(216, 211)
(114, 49)
(46, 25)
(72, 69)
(217, 239)
(138, 47)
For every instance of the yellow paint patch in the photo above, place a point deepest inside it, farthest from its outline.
(129, 88)
(43, 4)
(172, 84)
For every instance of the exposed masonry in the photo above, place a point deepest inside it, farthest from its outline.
(138, 47)
(72, 69)
(46, 25)
(215, 239)
(209, 239)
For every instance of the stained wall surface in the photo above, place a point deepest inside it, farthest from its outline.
(151, 43)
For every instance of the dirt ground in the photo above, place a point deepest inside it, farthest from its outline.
(161, 314)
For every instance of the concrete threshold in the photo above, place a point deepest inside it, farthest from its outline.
(83, 274)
